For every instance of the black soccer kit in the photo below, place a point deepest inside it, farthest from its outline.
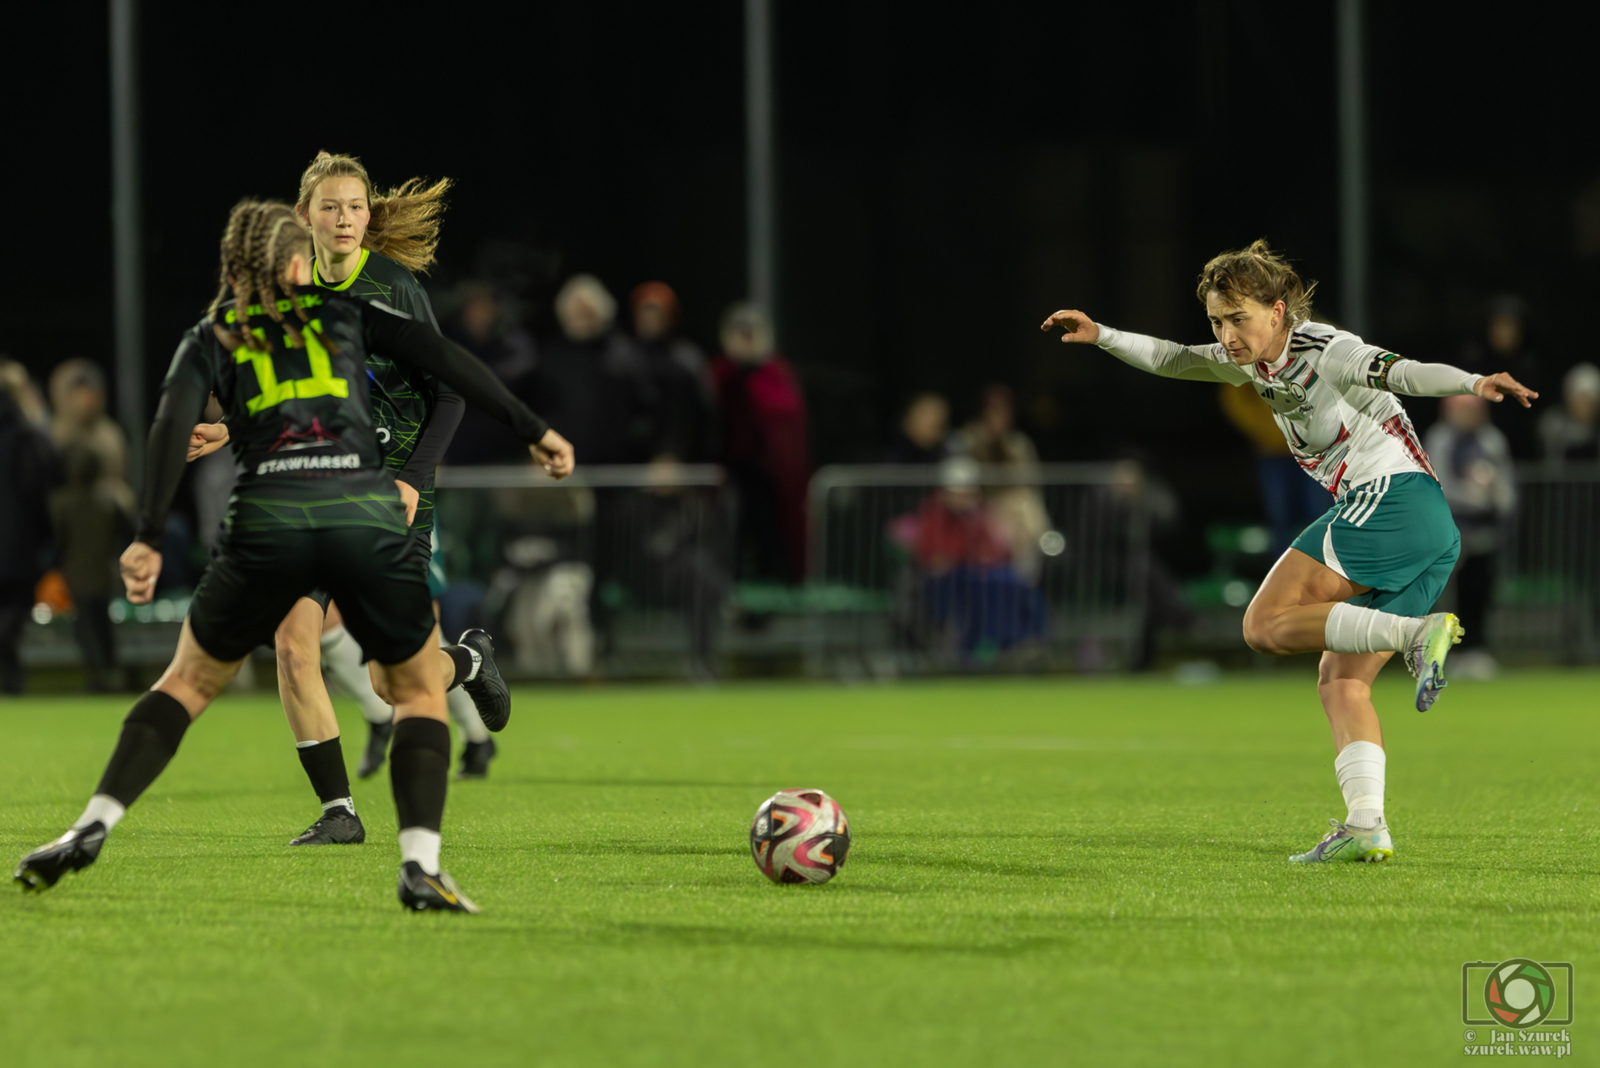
(414, 414)
(314, 505)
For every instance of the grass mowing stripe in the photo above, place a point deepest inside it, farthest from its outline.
(1043, 871)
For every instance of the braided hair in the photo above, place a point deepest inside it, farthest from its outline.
(261, 238)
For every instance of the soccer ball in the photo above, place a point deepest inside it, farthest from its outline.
(800, 836)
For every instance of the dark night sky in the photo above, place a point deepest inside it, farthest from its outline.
(944, 183)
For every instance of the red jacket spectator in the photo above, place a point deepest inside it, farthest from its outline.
(952, 529)
(765, 445)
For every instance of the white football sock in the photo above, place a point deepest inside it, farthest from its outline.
(341, 659)
(421, 845)
(1366, 630)
(1360, 770)
(465, 713)
(108, 810)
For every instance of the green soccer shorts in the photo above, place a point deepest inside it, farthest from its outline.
(1394, 534)
(436, 577)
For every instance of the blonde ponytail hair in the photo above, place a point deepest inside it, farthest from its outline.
(404, 223)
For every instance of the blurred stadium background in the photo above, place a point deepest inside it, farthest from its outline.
(829, 441)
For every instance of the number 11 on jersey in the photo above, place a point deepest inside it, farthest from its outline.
(321, 383)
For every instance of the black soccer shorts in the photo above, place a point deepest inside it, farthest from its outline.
(258, 576)
(421, 549)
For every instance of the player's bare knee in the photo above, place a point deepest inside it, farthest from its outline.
(1259, 635)
(413, 680)
(198, 682)
(1338, 691)
(298, 667)
(381, 687)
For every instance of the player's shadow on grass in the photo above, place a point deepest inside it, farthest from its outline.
(519, 780)
(633, 933)
(972, 866)
(622, 847)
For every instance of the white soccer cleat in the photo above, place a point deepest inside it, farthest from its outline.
(1426, 656)
(1351, 844)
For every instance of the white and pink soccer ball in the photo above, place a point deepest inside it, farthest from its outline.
(800, 836)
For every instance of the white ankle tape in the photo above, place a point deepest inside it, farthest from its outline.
(1352, 629)
(1361, 768)
(104, 808)
(421, 845)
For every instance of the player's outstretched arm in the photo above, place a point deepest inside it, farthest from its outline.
(421, 346)
(1498, 387)
(1166, 358)
(1078, 328)
(1367, 365)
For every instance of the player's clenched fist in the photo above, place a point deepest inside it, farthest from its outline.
(205, 439)
(554, 453)
(141, 566)
(1078, 327)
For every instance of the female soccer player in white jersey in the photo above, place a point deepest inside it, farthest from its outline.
(1358, 584)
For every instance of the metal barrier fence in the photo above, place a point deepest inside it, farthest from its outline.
(630, 572)
(962, 566)
(620, 570)
(1548, 591)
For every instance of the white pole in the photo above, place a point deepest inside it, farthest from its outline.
(1353, 190)
(127, 230)
(759, 172)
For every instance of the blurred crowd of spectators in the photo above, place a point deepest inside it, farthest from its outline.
(65, 510)
(626, 386)
(640, 392)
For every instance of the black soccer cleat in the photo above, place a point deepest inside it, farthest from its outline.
(475, 759)
(421, 892)
(488, 691)
(337, 826)
(377, 751)
(73, 851)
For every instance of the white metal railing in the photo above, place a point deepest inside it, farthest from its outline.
(591, 476)
(1547, 597)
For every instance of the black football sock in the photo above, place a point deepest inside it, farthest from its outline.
(324, 764)
(461, 657)
(150, 737)
(419, 772)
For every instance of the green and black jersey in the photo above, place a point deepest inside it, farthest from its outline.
(301, 413)
(414, 414)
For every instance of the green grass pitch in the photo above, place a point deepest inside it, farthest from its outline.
(1045, 872)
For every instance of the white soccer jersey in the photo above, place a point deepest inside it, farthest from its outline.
(1331, 394)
